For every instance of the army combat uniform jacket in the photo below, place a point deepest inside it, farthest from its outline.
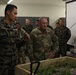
(64, 35)
(9, 40)
(43, 43)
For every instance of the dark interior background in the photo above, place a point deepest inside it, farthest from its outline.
(21, 20)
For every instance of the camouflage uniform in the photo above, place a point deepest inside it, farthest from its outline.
(42, 43)
(8, 39)
(28, 28)
(63, 34)
(20, 50)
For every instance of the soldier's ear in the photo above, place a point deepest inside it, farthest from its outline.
(8, 12)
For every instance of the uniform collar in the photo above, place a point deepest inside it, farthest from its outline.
(6, 24)
(43, 31)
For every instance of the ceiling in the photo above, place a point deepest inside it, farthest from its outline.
(43, 2)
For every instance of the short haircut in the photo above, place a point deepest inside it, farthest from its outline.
(37, 20)
(42, 18)
(27, 19)
(9, 7)
(60, 19)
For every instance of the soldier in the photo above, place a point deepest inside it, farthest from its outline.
(64, 35)
(57, 24)
(44, 43)
(9, 41)
(28, 27)
(20, 50)
(37, 23)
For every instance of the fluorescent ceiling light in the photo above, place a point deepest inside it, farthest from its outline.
(9, 1)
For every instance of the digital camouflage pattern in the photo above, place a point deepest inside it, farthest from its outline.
(20, 51)
(9, 36)
(42, 43)
(64, 35)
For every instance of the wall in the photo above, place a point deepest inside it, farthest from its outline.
(51, 11)
(71, 20)
(2, 7)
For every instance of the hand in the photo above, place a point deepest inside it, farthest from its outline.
(18, 27)
(27, 35)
